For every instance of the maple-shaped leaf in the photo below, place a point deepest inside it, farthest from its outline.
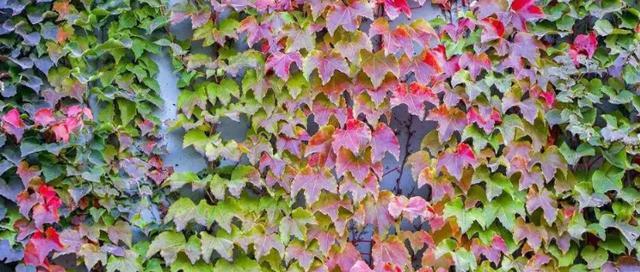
(392, 40)
(523, 11)
(410, 207)
(534, 234)
(414, 97)
(296, 225)
(492, 29)
(550, 161)
(44, 117)
(92, 254)
(389, 251)
(457, 160)
(358, 166)
(475, 63)
(376, 211)
(484, 117)
(358, 190)
(351, 43)
(525, 46)
(256, 31)
(325, 239)
(457, 29)
(300, 38)
(544, 200)
(347, 14)
(429, 64)
(222, 244)
(393, 8)
(343, 258)
(46, 212)
(492, 251)
(12, 124)
(449, 121)
(583, 44)
(313, 181)
(169, 244)
(297, 251)
(40, 245)
(486, 8)
(355, 135)
(181, 212)
(120, 231)
(326, 63)
(383, 140)
(27, 172)
(377, 65)
(280, 63)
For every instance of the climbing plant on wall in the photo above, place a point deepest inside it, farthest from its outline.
(532, 163)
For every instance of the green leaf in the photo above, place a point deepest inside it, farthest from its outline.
(181, 212)
(603, 27)
(595, 258)
(220, 243)
(607, 179)
(127, 110)
(168, 243)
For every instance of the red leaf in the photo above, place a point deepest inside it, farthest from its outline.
(456, 161)
(46, 212)
(347, 16)
(40, 245)
(44, 117)
(384, 140)
(414, 98)
(523, 11)
(394, 7)
(485, 118)
(280, 63)
(313, 182)
(355, 135)
(449, 120)
(492, 29)
(12, 124)
(61, 132)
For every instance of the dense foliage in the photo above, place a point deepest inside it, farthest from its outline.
(533, 163)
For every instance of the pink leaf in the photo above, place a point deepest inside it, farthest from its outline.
(326, 63)
(355, 135)
(475, 63)
(456, 161)
(44, 117)
(40, 245)
(543, 200)
(390, 251)
(392, 41)
(345, 259)
(534, 234)
(313, 182)
(348, 162)
(485, 118)
(411, 208)
(12, 124)
(280, 63)
(449, 121)
(348, 16)
(360, 266)
(394, 7)
(584, 44)
(384, 140)
(377, 65)
(415, 97)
